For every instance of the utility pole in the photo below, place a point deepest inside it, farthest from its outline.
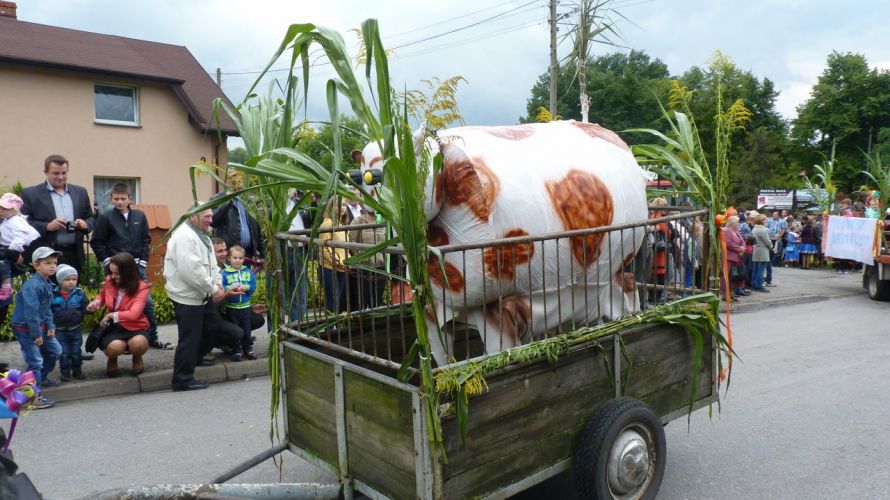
(554, 64)
(219, 78)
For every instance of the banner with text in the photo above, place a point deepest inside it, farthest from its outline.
(775, 199)
(853, 238)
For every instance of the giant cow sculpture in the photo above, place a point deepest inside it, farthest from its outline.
(527, 180)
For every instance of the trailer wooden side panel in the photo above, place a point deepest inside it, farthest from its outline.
(531, 416)
(310, 405)
(380, 435)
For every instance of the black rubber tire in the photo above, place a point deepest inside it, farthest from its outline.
(597, 437)
(876, 289)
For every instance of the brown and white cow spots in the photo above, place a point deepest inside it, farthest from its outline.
(435, 234)
(451, 279)
(512, 317)
(581, 201)
(501, 261)
(509, 132)
(598, 132)
(466, 181)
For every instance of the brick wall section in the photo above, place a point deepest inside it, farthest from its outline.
(159, 222)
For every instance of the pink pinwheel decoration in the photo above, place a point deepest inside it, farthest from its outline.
(18, 389)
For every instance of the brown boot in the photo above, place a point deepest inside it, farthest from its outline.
(111, 367)
(138, 365)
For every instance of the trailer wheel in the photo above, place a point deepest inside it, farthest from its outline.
(877, 289)
(620, 452)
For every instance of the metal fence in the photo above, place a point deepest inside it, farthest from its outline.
(488, 295)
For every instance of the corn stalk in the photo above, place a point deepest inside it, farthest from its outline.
(880, 175)
(278, 166)
(594, 24)
(822, 185)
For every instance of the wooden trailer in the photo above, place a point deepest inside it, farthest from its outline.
(600, 407)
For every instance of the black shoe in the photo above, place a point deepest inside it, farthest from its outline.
(160, 344)
(250, 355)
(50, 383)
(78, 373)
(86, 356)
(205, 361)
(191, 387)
(236, 356)
(761, 290)
(65, 376)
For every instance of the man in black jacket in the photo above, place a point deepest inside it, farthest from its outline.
(232, 223)
(60, 212)
(124, 229)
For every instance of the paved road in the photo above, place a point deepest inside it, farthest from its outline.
(153, 438)
(806, 417)
(806, 414)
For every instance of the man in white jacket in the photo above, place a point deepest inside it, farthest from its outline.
(192, 284)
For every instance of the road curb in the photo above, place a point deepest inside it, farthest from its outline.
(786, 301)
(155, 381)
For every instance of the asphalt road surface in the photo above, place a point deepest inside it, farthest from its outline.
(806, 416)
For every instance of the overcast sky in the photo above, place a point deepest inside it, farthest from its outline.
(784, 40)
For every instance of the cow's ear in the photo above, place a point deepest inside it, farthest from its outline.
(356, 155)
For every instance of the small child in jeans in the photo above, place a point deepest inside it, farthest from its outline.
(32, 321)
(240, 280)
(15, 235)
(69, 306)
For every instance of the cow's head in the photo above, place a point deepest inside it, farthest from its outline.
(372, 158)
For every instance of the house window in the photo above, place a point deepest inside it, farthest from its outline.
(116, 105)
(102, 190)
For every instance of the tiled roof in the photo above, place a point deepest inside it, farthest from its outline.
(51, 46)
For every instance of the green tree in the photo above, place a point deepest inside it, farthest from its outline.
(318, 142)
(758, 153)
(849, 105)
(624, 89)
(238, 155)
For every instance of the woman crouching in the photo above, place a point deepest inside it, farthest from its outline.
(124, 296)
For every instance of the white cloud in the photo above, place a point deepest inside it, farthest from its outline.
(786, 41)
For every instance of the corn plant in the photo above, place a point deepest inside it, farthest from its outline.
(594, 24)
(822, 185)
(682, 156)
(880, 175)
(274, 166)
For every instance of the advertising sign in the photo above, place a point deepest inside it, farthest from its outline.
(775, 199)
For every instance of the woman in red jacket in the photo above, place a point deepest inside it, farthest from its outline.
(124, 296)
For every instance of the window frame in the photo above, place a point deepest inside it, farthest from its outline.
(103, 204)
(122, 123)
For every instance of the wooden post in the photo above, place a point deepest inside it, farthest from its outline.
(554, 64)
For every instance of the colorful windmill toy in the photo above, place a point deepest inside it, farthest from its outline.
(18, 389)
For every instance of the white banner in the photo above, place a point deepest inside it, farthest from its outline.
(851, 238)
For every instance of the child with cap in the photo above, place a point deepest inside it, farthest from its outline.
(69, 306)
(15, 235)
(32, 321)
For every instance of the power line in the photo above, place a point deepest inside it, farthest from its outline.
(465, 41)
(445, 21)
(468, 26)
(505, 14)
(504, 31)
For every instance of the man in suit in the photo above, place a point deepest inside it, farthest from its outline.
(60, 212)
